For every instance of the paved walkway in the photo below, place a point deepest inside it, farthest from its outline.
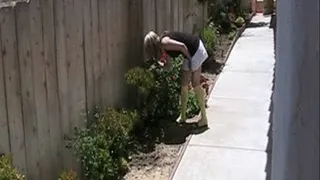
(234, 146)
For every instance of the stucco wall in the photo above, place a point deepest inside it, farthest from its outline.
(296, 96)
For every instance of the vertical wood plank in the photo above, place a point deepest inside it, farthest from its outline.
(149, 16)
(75, 66)
(4, 125)
(175, 15)
(168, 15)
(96, 53)
(77, 70)
(186, 16)
(40, 87)
(111, 26)
(69, 37)
(205, 12)
(122, 44)
(117, 49)
(125, 42)
(149, 22)
(181, 15)
(76, 74)
(198, 20)
(52, 86)
(136, 36)
(103, 50)
(27, 91)
(13, 91)
(88, 52)
(161, 15)
(62, 71)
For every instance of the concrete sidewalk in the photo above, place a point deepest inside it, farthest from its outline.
(234, 146)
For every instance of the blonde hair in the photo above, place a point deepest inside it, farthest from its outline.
(151, 46)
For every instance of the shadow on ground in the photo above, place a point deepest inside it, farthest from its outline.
(169, 133)
(212, 66)
(257, 24)
(177, 133)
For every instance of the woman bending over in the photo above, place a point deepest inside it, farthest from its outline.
(194, 52)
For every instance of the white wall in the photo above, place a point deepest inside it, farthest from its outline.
(296, 100)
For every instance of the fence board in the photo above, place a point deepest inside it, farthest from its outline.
(77, 69)
(27, 91)
(181, 15)
(103, 52)
(168, 15)
(123, 59)
(149, 16)
(62, 73)
(66, 56)
(175, 14)
(111, 25)
(96, 55)
(52, 85)
(199, 19)
(160, 15)
(187, 16)
(12, 82)
(40, 87)
(75, 65)
(135, 25)
(123, 56)
(77, 73)
(117, 59)
(4, 126)
(88, 52)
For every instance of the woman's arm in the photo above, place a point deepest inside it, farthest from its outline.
(173, 45)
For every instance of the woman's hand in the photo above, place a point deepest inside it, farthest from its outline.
(163, 59)
(160, 63)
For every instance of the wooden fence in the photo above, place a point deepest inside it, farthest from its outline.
(62, 57)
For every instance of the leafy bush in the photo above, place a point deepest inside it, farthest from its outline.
(210, 38)
(102, 147)
(161, 102)
(239, 21)
(223, 13)
(142, 78)
(7, 172)
(68, 175)
(231, 35)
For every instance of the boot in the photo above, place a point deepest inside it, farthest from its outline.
(201, 102)
(184, 101)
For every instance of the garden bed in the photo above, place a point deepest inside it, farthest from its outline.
(144, 142)
(159, 160)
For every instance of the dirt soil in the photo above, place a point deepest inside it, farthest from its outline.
(158, 163)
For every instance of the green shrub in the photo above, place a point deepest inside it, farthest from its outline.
(163, 86)
(102, 147)
(231, 35)
(68, 175)
(7, 172)
(141, 78)
(239, 21)
(193, 108)
(210, 38)
(220, 12)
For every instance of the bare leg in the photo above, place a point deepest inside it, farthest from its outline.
(200, 94)
(185, 79)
